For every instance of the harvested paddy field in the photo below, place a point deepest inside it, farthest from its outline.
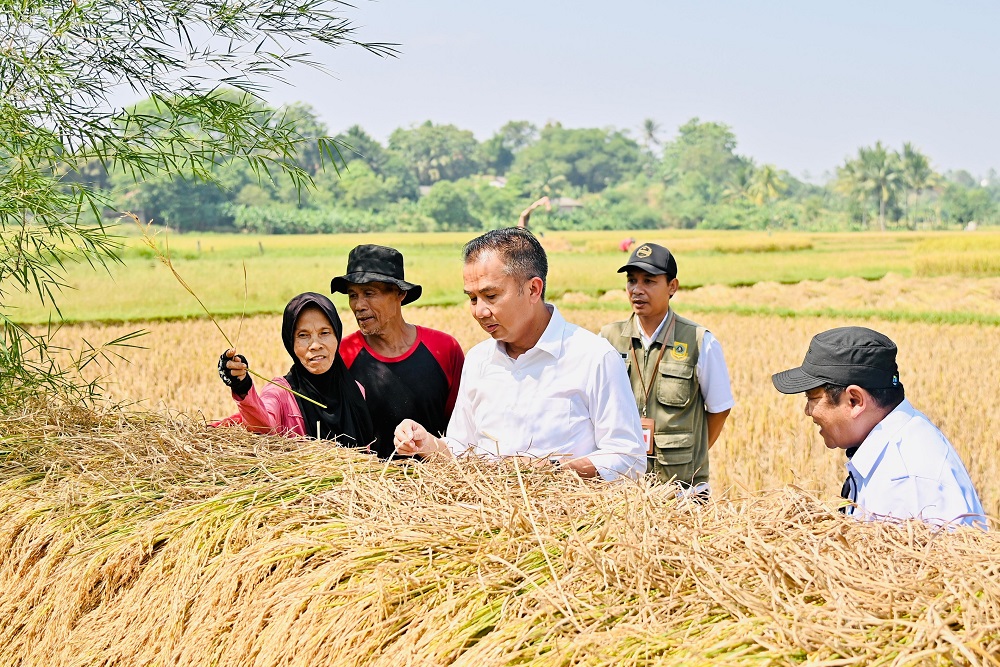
(138, 540)
(140, 536)
(949, 371)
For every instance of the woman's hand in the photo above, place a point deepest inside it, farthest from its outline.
(233, 371)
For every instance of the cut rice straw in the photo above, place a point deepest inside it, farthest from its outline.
(130, 539)
(165, 259)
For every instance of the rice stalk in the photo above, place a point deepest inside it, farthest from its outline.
(130, 539)
(164, 257)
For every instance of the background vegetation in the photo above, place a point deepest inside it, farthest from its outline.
(438, 177)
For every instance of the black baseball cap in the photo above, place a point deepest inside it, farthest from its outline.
(376, 263)
(652, 258)
(843, 356)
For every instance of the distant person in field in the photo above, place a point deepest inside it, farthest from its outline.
(680, 381)
(526, 213)
(311, 331)
(542, 389)
(899, 465)
(407, 370)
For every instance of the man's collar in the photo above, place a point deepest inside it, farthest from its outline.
(873, 445)
(551, 340)
(634, 329)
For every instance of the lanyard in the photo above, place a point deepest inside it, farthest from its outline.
(647, 390)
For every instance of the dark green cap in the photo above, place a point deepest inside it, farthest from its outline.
(843, 356)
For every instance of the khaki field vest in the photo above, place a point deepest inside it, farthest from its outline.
(675, 402)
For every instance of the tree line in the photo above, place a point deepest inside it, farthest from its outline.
(438, 177)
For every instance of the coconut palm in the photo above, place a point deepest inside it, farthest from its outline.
(766, 185)
(851, 183)
(917, 172)
(739, 184)
(882, 173)
(650, 130)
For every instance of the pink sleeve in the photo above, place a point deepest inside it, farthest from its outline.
(273, 410)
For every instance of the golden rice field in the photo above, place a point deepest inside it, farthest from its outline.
(146, 538)
(949, 370)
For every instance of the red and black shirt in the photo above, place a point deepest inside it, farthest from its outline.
(420, 384)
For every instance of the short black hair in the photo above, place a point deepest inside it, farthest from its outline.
(522, 255)
(886, 398)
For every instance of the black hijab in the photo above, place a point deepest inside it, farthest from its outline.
(346, 413)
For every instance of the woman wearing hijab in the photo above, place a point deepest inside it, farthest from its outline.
(334, 407)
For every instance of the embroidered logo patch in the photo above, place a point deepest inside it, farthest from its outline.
(679, 351)
(644, 252)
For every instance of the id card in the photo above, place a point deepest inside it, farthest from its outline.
(647, 433)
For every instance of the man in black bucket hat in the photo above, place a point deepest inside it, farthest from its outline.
(405, 369)
(899, 466)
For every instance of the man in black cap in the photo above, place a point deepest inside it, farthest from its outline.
(406, 370)
(678, 372)
(899, 466)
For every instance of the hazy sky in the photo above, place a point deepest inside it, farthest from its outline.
(802, 84)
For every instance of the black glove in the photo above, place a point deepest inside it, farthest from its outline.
(239, 387)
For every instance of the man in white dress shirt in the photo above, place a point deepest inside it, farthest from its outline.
(900, 466)
(542, 388)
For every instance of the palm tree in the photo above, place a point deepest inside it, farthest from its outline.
(739, 184)
(766, 185)
(882, 173)
(917, 173)
(851, 183)
(650, 130)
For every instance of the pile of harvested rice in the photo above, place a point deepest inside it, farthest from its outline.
(137, 540)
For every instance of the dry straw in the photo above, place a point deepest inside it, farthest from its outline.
(137, 540)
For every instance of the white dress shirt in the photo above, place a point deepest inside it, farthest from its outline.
(906, 468)
(712, 371)
(567, 397)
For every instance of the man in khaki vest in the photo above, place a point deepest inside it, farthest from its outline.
(677, 369)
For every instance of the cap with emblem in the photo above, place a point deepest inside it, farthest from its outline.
(652, 258)
(843, 356)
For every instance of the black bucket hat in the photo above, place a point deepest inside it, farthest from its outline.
(653, 259)
(843, 356)
(376, 263)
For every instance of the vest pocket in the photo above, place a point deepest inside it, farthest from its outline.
(675, 384)
(674, 449)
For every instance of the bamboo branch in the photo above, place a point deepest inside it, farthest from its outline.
(165, 258)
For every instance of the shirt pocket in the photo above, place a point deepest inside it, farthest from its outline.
(674, 449)
(555, 413)
(675, 384)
